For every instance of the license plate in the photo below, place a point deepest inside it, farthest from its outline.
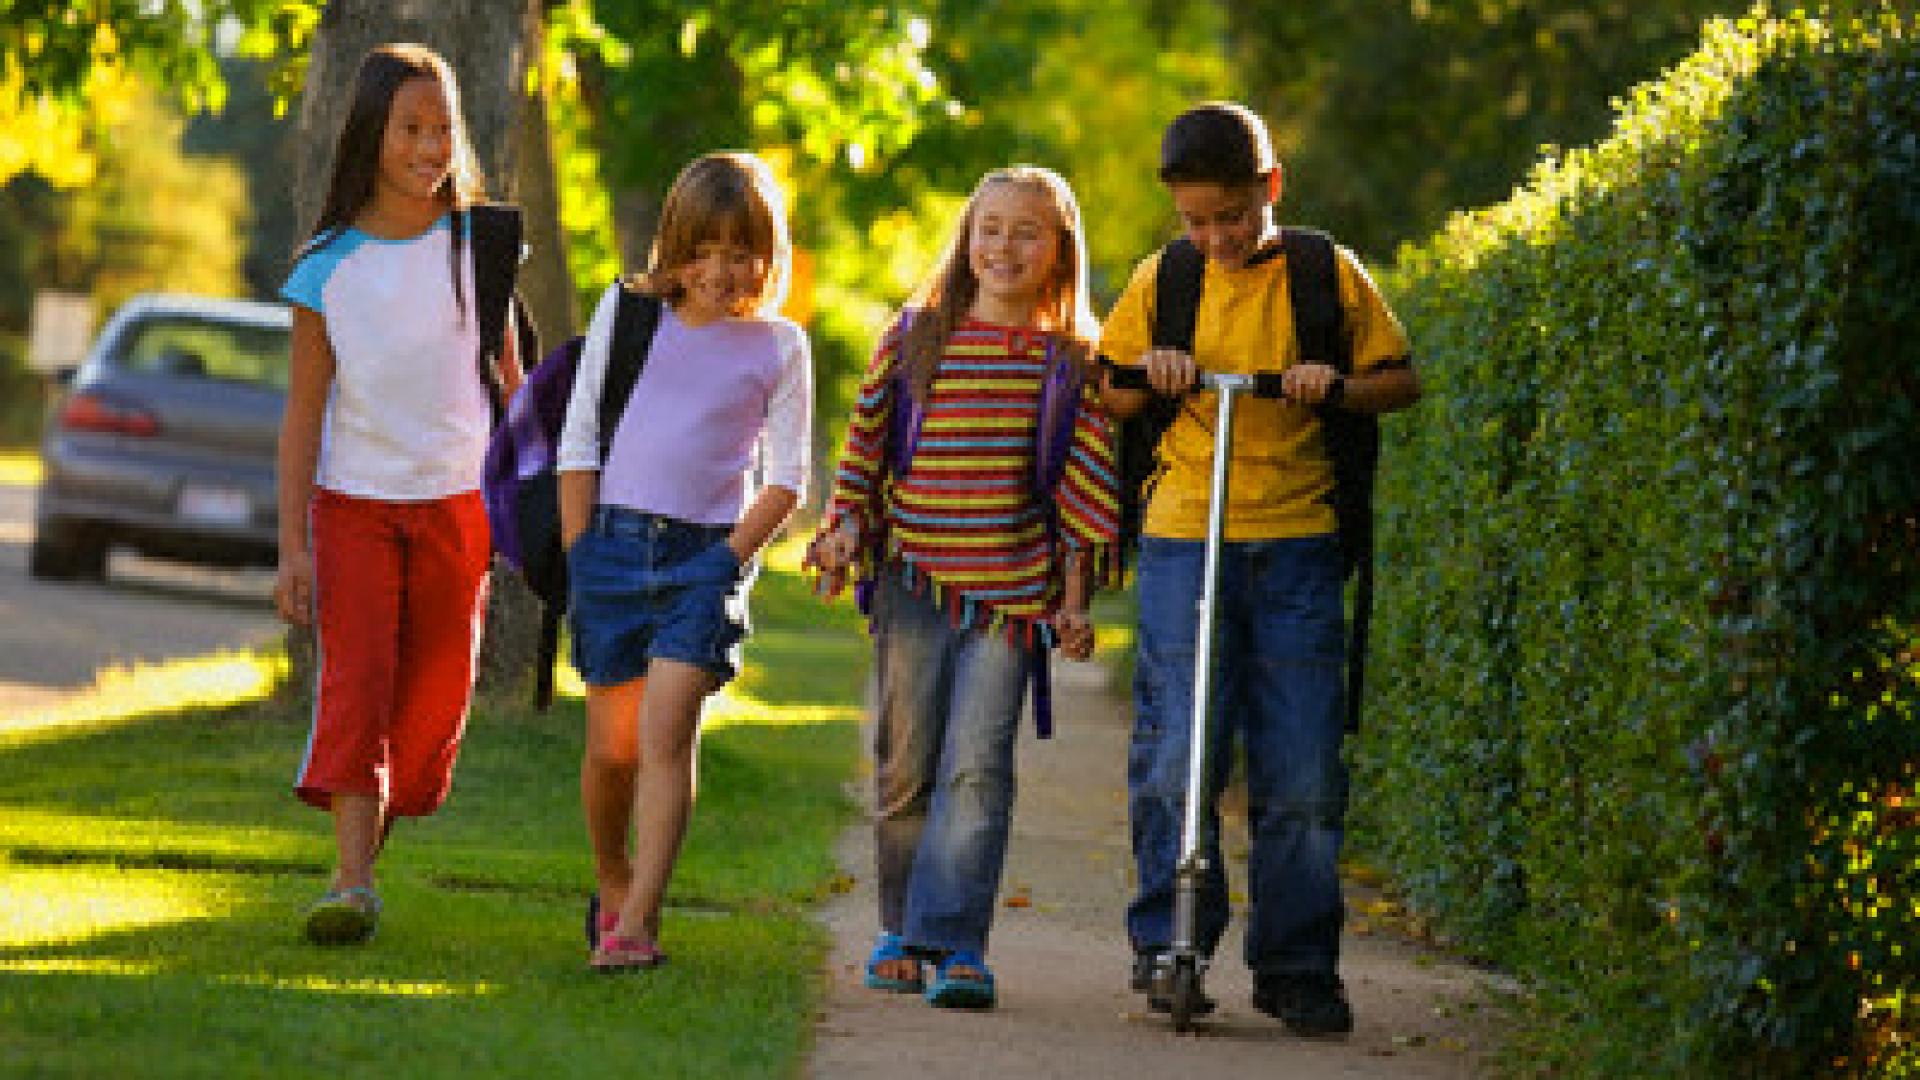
(215, 505)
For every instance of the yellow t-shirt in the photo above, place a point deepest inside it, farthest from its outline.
(1280, 475)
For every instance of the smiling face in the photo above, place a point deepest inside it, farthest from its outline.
(725, 279)
(416, 151)
(1013, 250)
(1229, 223)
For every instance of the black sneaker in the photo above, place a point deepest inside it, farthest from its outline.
(1307, 1004)
(1153, 976)
(1143, 965)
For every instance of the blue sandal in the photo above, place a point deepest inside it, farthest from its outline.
(888, 948)
(953, 991)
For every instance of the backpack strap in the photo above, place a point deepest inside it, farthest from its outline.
(1352, 439)
(1313, 279)
(636, 317)
(905, 413)
(1177, 281)
(496, 238)
(1176, 294)
(546, 655)
(1061, 386)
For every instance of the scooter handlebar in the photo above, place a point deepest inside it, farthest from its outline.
(1265, 384)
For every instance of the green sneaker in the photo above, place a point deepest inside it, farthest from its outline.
(343, 917)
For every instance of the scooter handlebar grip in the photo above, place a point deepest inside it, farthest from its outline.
(1269, 384)
(1126, 377)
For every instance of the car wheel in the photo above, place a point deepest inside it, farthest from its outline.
(58, 555)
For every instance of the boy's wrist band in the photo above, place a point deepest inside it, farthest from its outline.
(1336, 392)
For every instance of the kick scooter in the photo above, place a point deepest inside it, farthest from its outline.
(1184, 989)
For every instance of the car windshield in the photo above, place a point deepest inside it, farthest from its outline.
(185, 347)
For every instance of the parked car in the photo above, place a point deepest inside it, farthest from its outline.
(163, 439)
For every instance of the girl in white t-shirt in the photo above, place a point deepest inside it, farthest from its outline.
(707, 461)
(383, 537)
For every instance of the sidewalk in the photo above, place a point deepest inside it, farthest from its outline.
(1061, 959)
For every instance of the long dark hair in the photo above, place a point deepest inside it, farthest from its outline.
(356, 155)
(946, 295)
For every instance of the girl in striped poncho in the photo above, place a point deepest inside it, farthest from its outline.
(976, 507)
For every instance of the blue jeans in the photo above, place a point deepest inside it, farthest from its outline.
(645, 587)
(947, 710)
(1278, 684)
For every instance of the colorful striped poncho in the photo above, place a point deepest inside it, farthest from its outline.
(963, 517)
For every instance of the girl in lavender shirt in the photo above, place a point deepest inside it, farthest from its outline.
(708, 461)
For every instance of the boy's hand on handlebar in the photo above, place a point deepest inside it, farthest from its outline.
(1308, 384)
(1169, 370)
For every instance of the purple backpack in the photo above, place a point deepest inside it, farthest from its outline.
(520, 483)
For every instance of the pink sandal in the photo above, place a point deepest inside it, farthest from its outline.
(617, 954)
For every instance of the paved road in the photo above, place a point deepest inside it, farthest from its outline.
(54, 636)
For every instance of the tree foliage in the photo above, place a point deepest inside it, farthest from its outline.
(67, 67)
(150, 217)
(1393, 113)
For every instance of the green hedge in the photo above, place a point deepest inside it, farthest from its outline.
(1644, 729)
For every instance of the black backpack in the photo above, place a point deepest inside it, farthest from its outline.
(1352, 438)
(496, 238)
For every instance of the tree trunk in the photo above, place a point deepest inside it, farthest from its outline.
(545, 283)
(489, 44)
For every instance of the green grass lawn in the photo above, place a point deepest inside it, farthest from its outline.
(153, 868)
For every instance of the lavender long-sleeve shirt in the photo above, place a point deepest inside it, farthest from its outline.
(715, 405)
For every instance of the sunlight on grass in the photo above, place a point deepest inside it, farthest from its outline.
(122, 693)
(306, 984)
(727, 709)
(363, 987)
(19, 468)
(74, 905)
(81, 965)
(566, 681)
(27, 829)
(784, 555)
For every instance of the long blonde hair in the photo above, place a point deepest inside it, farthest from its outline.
(945, 296)
(730, 197)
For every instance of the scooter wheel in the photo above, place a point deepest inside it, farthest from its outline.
(1185, 999)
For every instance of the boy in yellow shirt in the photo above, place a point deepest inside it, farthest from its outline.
(1281, 645)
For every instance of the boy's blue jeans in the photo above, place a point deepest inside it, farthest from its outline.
(1278, 684)
(947, 710)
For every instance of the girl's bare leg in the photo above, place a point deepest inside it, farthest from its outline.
(663, 797)
(607, 773)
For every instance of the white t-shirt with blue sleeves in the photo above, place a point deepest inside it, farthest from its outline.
(407, 418)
